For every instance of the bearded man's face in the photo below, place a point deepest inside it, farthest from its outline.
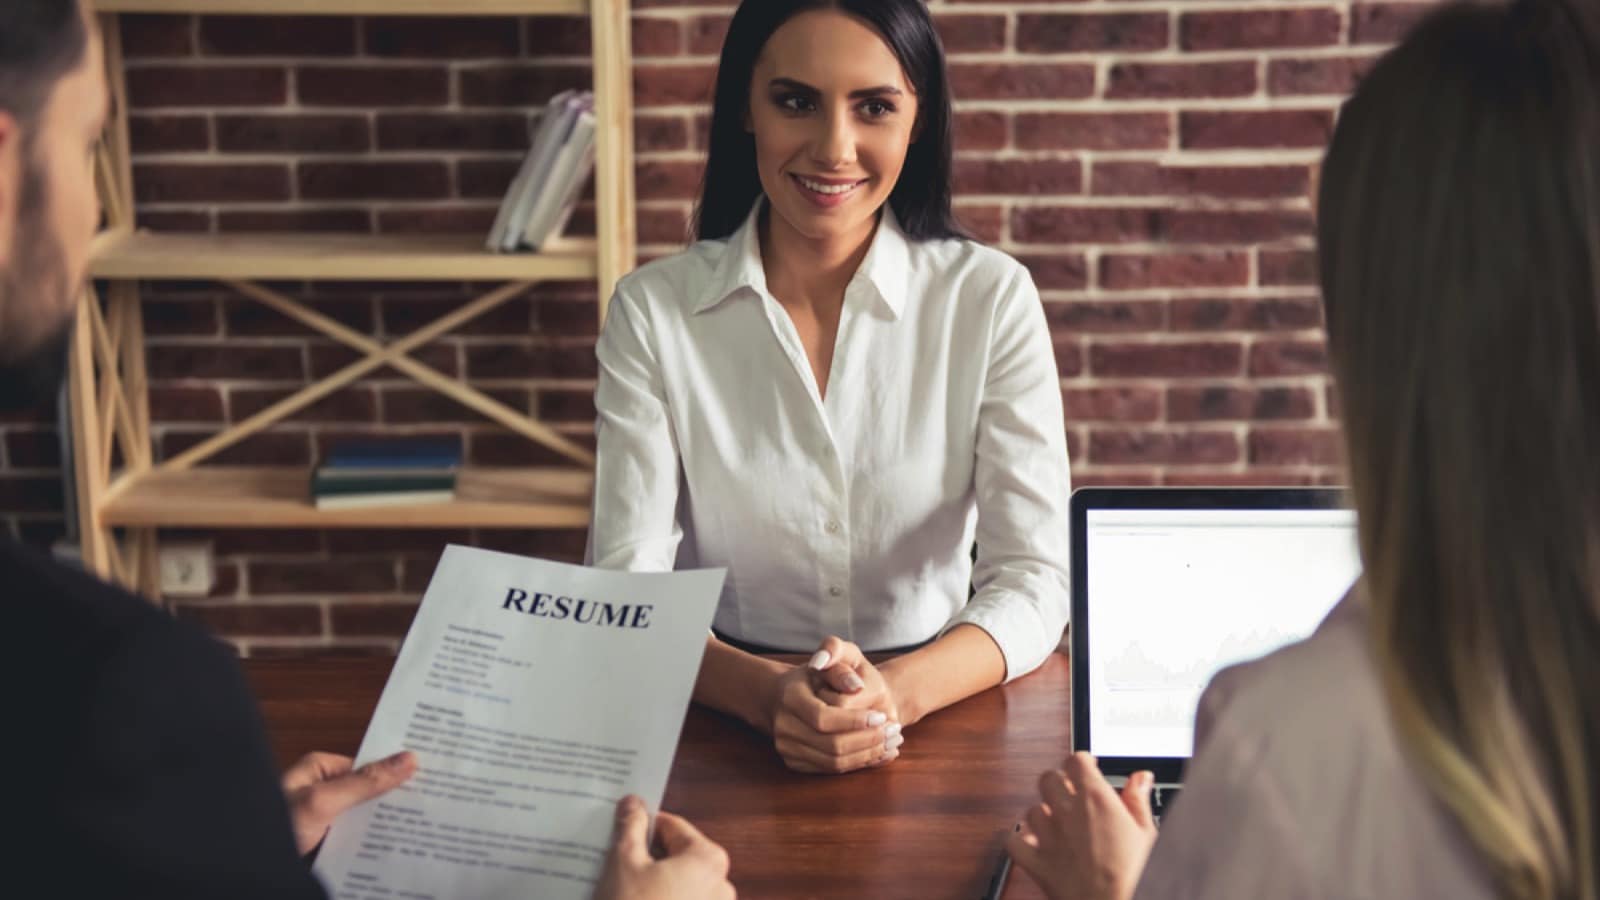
(35, 304)
(50, 212)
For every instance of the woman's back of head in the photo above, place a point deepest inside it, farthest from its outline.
(1460, 250)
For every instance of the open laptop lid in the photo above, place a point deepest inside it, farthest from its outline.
(1170, 585)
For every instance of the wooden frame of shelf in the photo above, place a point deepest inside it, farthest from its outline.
(143, 255)
(258, 497)
(109, 386)
(350, 7)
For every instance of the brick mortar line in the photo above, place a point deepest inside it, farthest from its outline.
(655, 250)
(1064, 58)
(1159, 202)
(1188, 158)
(1287, 103)
(277, 600)
(971, 201)
(1036, 6)
(1262, 157)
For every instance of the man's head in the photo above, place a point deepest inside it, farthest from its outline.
(53, 104)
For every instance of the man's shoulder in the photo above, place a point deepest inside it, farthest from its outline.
(62, 605)
(145, 761)
(68, 627)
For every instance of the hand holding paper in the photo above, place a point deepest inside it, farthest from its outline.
(536, 696)
(321, 786)
(694, 868)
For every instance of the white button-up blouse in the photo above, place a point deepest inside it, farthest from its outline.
(853, 515)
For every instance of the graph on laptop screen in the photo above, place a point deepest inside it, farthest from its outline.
(1177, 595)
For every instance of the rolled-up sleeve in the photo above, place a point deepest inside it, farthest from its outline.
(634, 524)
(1023, 481)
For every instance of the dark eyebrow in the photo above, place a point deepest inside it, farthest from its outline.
(881, 90)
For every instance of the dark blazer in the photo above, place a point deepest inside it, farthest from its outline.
(134, 760)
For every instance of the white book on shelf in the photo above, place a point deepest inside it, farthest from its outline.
(383, 499)
(546, 143)
(567, 178)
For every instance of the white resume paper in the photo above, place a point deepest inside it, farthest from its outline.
(535, 695)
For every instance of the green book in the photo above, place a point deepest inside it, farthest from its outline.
(324, 485)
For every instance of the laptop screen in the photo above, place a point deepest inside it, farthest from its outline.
(1175, 595)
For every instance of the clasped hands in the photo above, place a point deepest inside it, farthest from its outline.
(837, 713)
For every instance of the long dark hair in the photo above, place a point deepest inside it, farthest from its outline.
(920, 199)
(1460, 255)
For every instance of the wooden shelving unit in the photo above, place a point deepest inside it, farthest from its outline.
(350, 7)
(331, 257)
(121, 506)
(236, 497)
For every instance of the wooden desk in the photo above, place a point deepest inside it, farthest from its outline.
(927, 826)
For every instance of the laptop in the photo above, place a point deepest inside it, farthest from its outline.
(1171, 585)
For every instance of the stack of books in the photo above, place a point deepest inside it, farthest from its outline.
(397, 472)
(541, 198)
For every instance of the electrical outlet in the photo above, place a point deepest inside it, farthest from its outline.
(187, 570)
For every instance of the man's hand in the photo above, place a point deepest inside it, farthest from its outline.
(694, 867)
(812, 735)
(322, 785)
(1086, 842)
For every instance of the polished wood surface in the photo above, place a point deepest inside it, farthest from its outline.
(927, 826)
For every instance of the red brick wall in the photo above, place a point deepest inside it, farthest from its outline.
(1149, 161)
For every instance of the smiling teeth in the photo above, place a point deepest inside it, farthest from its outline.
(825, 188)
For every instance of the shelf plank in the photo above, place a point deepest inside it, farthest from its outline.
(241, 497)
(331, 257)
(349, 7)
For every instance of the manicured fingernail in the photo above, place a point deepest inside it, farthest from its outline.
(890, 754)
(819, 660)
(875, 718)
(853, 682)
(891, 730)
(894, 743)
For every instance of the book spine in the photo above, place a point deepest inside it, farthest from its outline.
(574, 191)
(563, 118)
(504, 236)
(566, 179)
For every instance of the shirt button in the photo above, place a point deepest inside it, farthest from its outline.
(836, 591)
(833, 527)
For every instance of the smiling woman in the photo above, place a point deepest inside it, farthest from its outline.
(833, 394)
(872, 74)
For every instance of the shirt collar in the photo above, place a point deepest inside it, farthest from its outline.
(740, 266)
(887, 265)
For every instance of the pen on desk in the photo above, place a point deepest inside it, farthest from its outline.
(997, 881)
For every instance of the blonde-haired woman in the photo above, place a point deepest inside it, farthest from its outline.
(1439, 736)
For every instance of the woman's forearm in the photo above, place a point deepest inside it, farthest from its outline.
(738, 683)
(963, 662)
